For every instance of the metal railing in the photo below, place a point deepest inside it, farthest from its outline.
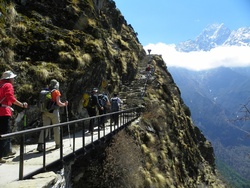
(125, 118)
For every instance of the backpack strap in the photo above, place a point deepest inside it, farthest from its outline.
(4, 105)
(4, 97)
(51, 91)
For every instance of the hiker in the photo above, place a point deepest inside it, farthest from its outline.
(115, 106)
(104, 102)
(52, 117)
(7, 98)
(93, 103)
(148, 70)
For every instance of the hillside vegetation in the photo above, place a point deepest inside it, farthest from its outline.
(219, 101)
(84, 44)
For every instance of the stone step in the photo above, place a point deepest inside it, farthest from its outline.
(132, 94)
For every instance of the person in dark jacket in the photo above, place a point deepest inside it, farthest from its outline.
(94, 103)
(104, 102)
(115, 107)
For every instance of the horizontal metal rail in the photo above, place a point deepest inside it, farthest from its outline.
(125, 118)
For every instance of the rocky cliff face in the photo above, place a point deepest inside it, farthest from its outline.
(80, 43)
(87, 44)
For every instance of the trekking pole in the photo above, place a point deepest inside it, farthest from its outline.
(24, 126)
(67, 114)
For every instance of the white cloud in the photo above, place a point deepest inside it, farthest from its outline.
(227, 56)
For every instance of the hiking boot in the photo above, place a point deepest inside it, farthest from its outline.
(2, 160)
(11, 153)
(89, 133)
(40, 147)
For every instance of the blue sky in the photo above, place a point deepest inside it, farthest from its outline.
(161, 24)
(174, 21)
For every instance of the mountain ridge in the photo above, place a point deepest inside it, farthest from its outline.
(215, 35)
(217, 96)
(215, 101)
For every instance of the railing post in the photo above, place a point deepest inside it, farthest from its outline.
(83, 137)
(127, 118)
(92, 133)
(21, 157)
(98, 131)
(123, 118)
(130, 115)
(119, 119)
(83, 134)
(61, 144)
(111, 121)
(44, 149)
(74, 138)
(104, 118)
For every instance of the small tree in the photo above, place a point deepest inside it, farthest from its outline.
(243, 115)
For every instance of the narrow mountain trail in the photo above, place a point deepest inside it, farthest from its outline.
(132, 94)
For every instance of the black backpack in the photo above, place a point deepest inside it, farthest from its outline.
(92, 102)
(102, 100)
(45, 101)
(114, 104)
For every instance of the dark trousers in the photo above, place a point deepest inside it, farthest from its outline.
(102, 119)
(5, 144)
(115, 118)
(91, 112)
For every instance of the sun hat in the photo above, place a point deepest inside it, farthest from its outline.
(94, 90)
(54, 84)
(8, 75)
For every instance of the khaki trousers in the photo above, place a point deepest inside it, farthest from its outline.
(49, 119)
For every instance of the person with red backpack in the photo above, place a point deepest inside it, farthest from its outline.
(148, 70)
(7, 98)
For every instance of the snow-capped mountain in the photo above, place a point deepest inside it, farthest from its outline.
(240, 37)
(217, 96)
(216, 35)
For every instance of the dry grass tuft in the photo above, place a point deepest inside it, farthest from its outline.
(83, 60)
(20, 28)
(60, 43)
(8, 56)
(161, 180)
(66, 57)
(153, 158)
(151, 139)
(145, 149)
(45, 71)
(7, 42)
(123, 162)
(42, 73)
(11, 13)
